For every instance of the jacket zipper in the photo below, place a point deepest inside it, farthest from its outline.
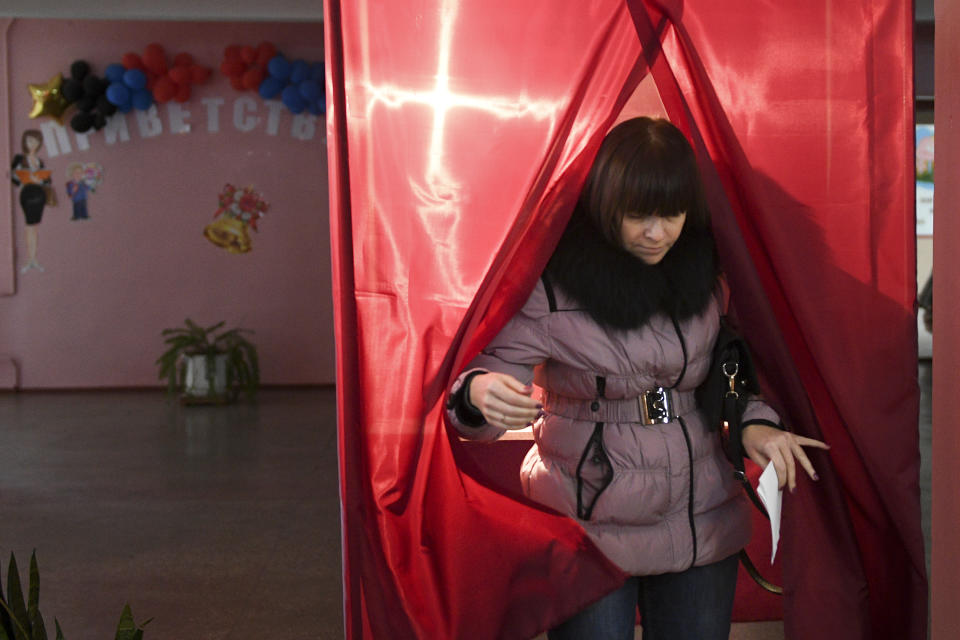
(693, 526)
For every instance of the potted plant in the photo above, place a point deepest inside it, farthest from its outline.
(210, 364)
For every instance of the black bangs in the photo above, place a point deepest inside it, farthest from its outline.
(656, 182)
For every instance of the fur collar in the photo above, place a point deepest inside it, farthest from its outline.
(621, 291)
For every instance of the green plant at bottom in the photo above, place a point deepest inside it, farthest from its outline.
(21, 619)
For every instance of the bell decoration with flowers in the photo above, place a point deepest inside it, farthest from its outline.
(239, 211)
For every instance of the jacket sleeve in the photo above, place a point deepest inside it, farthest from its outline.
(759, 412)
(521, 345)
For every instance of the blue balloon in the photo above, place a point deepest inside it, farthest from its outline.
(279, 68)
(118, 94)
(135, 79)
(310, 90)
(291, 97)
(142, 99)
(315, 107)
(317, 72)
(114, 72)
(299, 72)
(270, 88)
(125, 108)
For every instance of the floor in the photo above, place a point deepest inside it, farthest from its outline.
(217, 523)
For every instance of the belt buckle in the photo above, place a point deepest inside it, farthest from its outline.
(656, 406)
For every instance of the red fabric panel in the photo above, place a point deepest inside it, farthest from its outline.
(454, 172)
(808, 127)
(459, 135)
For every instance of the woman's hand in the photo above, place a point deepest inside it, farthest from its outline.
(504, 401)
(765, 444)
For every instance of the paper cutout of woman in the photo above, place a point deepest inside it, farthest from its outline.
(28, 172)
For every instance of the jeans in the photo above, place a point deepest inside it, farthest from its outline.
(695, 604)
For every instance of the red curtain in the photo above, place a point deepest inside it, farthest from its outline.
(459, 133)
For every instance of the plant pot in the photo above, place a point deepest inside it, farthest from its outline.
(197, 387)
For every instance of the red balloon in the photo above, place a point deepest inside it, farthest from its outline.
(155, 63)
(237, 83)
(248, 54)
(180, 75)
(164, 89)
(183, 60)
(154, 49)
(265, 52)
(183, 93)
(232, 53)
(132, 61)
(232, 68)
(199, 74)
(253, 77)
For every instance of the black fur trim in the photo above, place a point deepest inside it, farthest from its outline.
(621, 291)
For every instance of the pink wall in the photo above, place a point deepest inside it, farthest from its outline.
(93, 317)
(945, 547)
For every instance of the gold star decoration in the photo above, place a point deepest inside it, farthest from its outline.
(48, 100)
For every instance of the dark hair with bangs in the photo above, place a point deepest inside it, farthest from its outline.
(644, 166)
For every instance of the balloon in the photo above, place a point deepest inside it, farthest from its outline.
(86, 103)
(183, 60)
(81, 122)
(72, 90)
(142, 99)
(270, 87)
(199, 74)
(132, 61)
(299, 72)
(317, 72)
(253, 77)
(119, 94)
(310, 90)
(291, 97)
(99, 121)
(231, 68)
(180, 75)
(126, 107)
(79, 70)
(265, 52)
(155, 59)
(183, 93)
(237, 83)
(279, 68)
(114, 72)
(248, 54)
(94, 86)
(135, 79)
(164, 89)
(48, 99)
(105, 107)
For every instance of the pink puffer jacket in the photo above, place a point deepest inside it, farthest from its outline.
(634, 484)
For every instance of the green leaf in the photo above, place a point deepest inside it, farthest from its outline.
(18, 609)
(33, 597)
(39, 630)
(59, 631)
(126, 629)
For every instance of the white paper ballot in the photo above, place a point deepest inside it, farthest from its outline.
(771, 496)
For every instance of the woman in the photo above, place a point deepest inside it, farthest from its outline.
(27, 169)
(621, 325)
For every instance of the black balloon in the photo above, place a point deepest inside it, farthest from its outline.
(79, 70)
(106, 107)
(94, 85)
(72, 90)
(99, 121)
(86, 103)
(82, 122)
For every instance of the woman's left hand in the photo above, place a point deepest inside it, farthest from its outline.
(765, 444)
